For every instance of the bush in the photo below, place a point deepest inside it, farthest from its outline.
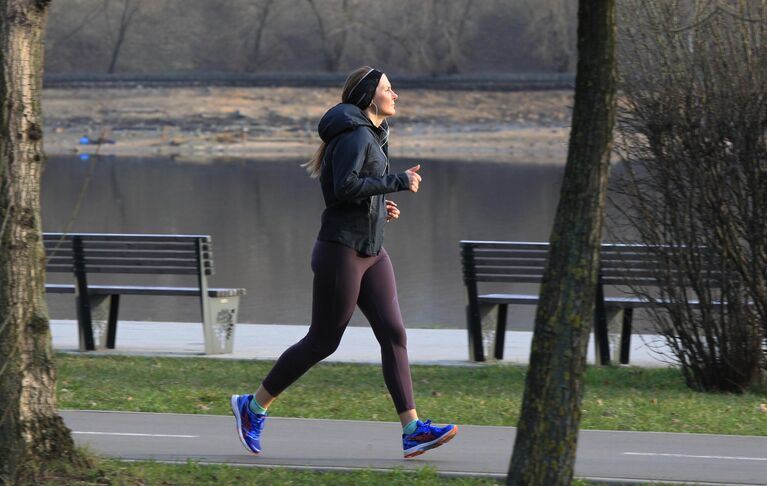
(692, 135)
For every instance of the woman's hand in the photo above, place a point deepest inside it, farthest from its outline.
(415, 179)
(391, 210)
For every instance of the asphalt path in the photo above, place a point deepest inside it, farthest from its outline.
(617, 457)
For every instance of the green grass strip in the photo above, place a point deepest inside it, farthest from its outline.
(109, 472)
(638, 399)
(117, 473)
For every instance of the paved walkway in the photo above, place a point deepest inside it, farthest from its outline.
(606, 456)
(268, 341)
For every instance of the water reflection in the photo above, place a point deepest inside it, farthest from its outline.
(264, 216)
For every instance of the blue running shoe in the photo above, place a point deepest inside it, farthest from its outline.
(249, 424)
(425, 437)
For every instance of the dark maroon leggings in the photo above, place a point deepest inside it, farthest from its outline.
(342, 280)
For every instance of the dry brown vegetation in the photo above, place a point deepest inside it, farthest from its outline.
(250, 122)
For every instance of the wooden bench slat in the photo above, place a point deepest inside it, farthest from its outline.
(59, 289)
(508, 299)
(478, 255)
(168, 270)
(159, 270)
(608, 269)
(139, 290)
(506, 271)
(114, 246)
(189, 246)
(511, 262)
(510, 278)
(68, 253)
(621, 264)
(648, 280)
(144, 262)
(505, 244)
(623, 302)
(125, 236)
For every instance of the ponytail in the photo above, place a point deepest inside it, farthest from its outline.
(314, 166)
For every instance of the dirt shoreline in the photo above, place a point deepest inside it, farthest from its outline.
(205, 122)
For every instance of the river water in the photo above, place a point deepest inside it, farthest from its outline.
(263, 216)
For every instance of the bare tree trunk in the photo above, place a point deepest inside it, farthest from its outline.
(31, 431)
(334, 22)
(550, 32)
(547, 434)
(129, 10)
(454, 39)
(258, 33)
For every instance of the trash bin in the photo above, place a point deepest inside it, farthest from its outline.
(219, 323)
(489, 328)
(99, 322)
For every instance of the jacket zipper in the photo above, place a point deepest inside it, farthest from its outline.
(370, 212)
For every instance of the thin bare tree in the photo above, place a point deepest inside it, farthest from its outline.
(335, 22)
(257, 27)
(120, 32)
(550, 28)
(432, 34)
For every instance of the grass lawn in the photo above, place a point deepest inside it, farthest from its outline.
(141, 473)
(118, 473)
(638, 399)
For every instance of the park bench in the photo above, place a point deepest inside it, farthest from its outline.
(622, 266)
(144, 257)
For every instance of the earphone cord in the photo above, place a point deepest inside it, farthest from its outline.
(385, 140)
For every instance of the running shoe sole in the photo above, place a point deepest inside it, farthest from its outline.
(238, 418)
(421, 448)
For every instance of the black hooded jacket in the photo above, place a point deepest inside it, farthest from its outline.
(354, 178)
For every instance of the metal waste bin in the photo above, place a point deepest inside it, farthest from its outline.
(218, 324)
(100, 305)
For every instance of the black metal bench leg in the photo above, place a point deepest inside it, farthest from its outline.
(114, 307)
(601, 342)
(474, 322)
(628, 315)
(85, 322)
(82, 299)
(601, 338)
(500, 331)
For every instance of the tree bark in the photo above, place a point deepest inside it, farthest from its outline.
(547, 434)
(31, 432)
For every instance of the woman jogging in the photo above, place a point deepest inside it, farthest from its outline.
(351, 268)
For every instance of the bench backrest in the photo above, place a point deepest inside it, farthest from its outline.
(525, 262)
(129, 253)
(503, 261)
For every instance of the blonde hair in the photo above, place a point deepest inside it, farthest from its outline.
(314, 165)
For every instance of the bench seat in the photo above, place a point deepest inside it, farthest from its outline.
(620, 302)
(143, 290)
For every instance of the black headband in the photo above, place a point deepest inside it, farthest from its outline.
(362, 93)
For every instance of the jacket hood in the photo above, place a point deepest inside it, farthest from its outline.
(340, 118)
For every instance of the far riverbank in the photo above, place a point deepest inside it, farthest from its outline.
(256, 122)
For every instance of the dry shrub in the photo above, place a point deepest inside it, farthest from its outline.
(692, 136)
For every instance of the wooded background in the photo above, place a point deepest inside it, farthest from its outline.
(271, 36)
